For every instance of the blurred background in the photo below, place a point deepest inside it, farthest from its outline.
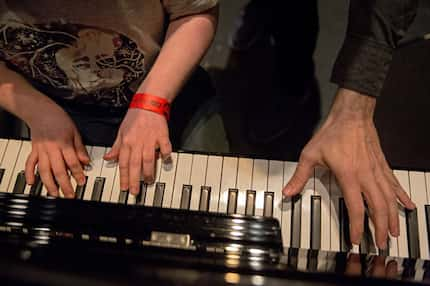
(270, 68)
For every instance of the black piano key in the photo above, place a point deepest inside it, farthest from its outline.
(312, 263)
(140, 198)
(99, 184)
(205, 196)
(366, 238)
(268, 204)
(250, 202)
(36, 188)
(426, 267)
(315, 222)
(408, 269)
(427, 208)
(1, 174)
(296, 221)
(412, 232)
(232, 201)
(293, 257)
(20, 183)
(80, 190)
(123, 197)
(159, 193)
(186, 197)
(345, 241)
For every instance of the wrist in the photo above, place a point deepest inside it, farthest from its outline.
(151, 103)
(351, 105)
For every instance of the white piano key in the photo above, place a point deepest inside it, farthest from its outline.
(275, 183)
(150, 189)
(259, 184)
(167, 176)
(419, 195)
(20, 163)
(244, 179)
(305, 232)
(183, 175)
(322, 188)
(428, 185)
(108, 172)
(8, 163)
(373, 233)
(402, 240)
(335, 194)
(355, 249)
(116, 189)
(228, 180)
(213, 180)
(198, 176)
(289, 168)
(96, 157)
(393, 249)
(3, 145)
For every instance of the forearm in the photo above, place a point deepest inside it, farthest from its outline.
(18, 97)
(187, 40)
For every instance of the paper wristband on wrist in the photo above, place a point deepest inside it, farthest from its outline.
(152, 103)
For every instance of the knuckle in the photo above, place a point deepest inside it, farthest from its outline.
(123, 165)
(148, 160)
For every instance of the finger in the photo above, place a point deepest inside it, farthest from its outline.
(165, 148)
(81, 151)
(395, 184)
(30, 166)
(124, 156)
(135, 170)
(354, 202)
(383, 183)
(378, 209)
(113, 154)
(148, 164)
(74, 165)
(60, 172)
(301, 175)
(401, 194)
(44, 168)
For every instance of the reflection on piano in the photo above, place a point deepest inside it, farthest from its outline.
(207, 211)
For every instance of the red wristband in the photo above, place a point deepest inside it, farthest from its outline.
(152, 103)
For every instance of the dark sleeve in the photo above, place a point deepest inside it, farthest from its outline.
(374, 29)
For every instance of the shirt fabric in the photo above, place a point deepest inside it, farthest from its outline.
(88, 52)
(374, 30)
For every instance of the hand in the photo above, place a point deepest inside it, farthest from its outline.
(139, 135)
(56, 148)
(348, 144)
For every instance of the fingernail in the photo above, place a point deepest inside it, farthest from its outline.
(286, 192)
(81, 181)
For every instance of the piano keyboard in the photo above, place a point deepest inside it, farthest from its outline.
(315, 219)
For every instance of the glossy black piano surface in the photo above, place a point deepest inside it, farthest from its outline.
(46, 241)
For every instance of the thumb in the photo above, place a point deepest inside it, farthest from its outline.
(301, 175)
(113, 154)
(81, 151)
